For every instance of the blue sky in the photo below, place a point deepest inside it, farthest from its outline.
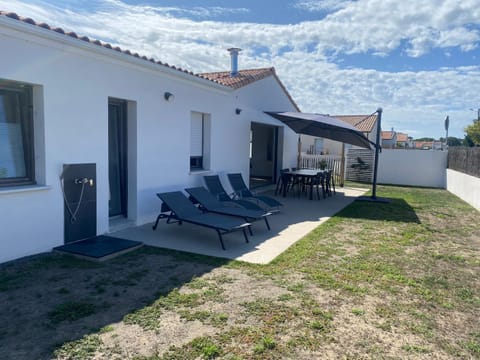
(417, 59)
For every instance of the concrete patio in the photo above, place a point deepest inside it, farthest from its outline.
(297, 218)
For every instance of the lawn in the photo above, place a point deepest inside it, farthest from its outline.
(392, 281)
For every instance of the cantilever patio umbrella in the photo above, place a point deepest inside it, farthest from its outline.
(322, 126)
(331, 128)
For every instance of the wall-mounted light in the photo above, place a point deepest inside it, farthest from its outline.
(238, 111)
(168, 96)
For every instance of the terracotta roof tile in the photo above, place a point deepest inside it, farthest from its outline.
(73, 35)
(388, 135)
(364, 123)
(423, 144)
(246, 77)
(243, 78)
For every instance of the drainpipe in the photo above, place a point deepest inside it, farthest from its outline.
(234, 61)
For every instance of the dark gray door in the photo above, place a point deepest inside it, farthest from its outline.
(117, 157)
(263, 154)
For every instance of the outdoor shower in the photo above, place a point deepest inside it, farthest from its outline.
(78, 184)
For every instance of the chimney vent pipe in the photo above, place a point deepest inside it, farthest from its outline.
(234, 61)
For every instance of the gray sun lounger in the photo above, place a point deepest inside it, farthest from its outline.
(241, 189)
(214, 185)
(182, 210)
(209, 203)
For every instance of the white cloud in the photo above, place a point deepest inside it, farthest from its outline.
(302, 53)
(320, 5)
(375, 26)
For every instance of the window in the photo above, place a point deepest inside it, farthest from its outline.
(16, 134)
(319, 146)
(199, 141)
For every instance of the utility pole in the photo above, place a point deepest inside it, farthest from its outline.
(447, 123)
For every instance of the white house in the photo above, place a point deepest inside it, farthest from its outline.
(144, 126)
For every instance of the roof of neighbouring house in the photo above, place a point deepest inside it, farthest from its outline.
(423, 144)
(402, 137)
(364, 123)
(105, 45)
(388, 135)
(246, 77)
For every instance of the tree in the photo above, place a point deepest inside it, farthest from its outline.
(452, 141)
(473, 132)
(425, 139)
(468, 142)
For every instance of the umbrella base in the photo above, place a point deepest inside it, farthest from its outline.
(373, 199)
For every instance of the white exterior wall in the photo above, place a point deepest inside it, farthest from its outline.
(465, 186)
(76, 80)
(412, 167)
(267, 95)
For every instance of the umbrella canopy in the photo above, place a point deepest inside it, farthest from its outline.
(322, 126)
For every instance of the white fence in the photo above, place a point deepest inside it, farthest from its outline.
(396, 167)
(465, 186)
(415, 168)
(334, 162)
(412, 167)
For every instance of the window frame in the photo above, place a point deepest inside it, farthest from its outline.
(319, 150)
(196, 161)
(25, 93)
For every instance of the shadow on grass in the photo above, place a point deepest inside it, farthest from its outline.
(51, 299)
(397, 210)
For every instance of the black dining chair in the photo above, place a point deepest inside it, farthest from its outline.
(319, 181)
(282, 181)
(329, 182)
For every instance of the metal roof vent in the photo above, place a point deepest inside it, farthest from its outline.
(234, 60)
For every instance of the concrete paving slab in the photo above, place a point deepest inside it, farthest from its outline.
(296, 219)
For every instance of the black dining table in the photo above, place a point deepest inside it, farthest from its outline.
(308, 174)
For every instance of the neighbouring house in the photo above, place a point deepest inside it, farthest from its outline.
(136, 125)
(428, 145)
(367, 124)
(403, 141)
(389, 139)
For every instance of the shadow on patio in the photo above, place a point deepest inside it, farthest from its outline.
(296, 219)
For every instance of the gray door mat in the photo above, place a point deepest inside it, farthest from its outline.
(99, 248)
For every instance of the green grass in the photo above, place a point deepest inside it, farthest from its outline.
(266, 343)
(358, 312)
(148, 317)
(10, 281)
(71, 311)
(201, 347)
(415, 349)
(84, 348)
(204, 316)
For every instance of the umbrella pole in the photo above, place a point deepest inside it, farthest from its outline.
(377, 151)
(299, 155)
(374, 197)
(342, 167)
